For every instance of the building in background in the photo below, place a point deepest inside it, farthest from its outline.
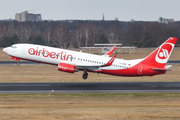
(25, 16)
(165, 21)
(18, 17)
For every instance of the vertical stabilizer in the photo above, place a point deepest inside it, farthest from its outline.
(160, 56)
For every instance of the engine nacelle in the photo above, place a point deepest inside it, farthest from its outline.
(67, 68)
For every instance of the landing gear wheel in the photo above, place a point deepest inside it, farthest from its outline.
(85, 75)
(18, 63)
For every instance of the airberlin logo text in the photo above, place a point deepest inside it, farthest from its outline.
(45, 53)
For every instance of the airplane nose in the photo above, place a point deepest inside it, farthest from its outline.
(5, 50)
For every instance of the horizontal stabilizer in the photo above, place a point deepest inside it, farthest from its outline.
(168, 66)
(160, 69)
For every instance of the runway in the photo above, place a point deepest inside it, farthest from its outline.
(104, 87)
(109, 87)
(35, 63)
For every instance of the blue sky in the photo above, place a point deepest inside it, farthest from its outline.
(125, 10)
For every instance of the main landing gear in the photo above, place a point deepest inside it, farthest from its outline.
(18, 63)
(85, 75)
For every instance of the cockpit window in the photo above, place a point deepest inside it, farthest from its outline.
(12, 46)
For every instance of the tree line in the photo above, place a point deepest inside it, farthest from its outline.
(87, 33)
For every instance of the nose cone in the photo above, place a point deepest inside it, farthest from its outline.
(5, 50)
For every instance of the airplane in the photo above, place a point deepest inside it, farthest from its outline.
(73, 61)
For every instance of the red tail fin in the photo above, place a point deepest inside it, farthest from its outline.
(160, 56)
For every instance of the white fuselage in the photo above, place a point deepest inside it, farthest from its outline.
(54, 56)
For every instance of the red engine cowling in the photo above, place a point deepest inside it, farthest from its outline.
(67, 68)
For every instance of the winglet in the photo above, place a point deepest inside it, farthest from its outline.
(111, 51)
(110, 61)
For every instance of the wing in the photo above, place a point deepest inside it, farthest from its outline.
(109, 63)
(69, 67)
(95, 68)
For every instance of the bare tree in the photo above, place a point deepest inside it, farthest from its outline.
(95, 34)
(90, 33)
(77, 36)
(87, 33)
(3, 31)
(59, 35)
(11, 28)
(157, 32)
(111, 33)
(134, 33)
(24, 31)
(47, 35)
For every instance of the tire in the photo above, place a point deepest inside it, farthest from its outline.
(85, 75)
(18, 63)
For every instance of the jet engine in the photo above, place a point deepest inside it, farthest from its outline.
(67, 68)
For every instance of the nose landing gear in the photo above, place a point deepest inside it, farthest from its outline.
(18, 63)
(85, 75)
